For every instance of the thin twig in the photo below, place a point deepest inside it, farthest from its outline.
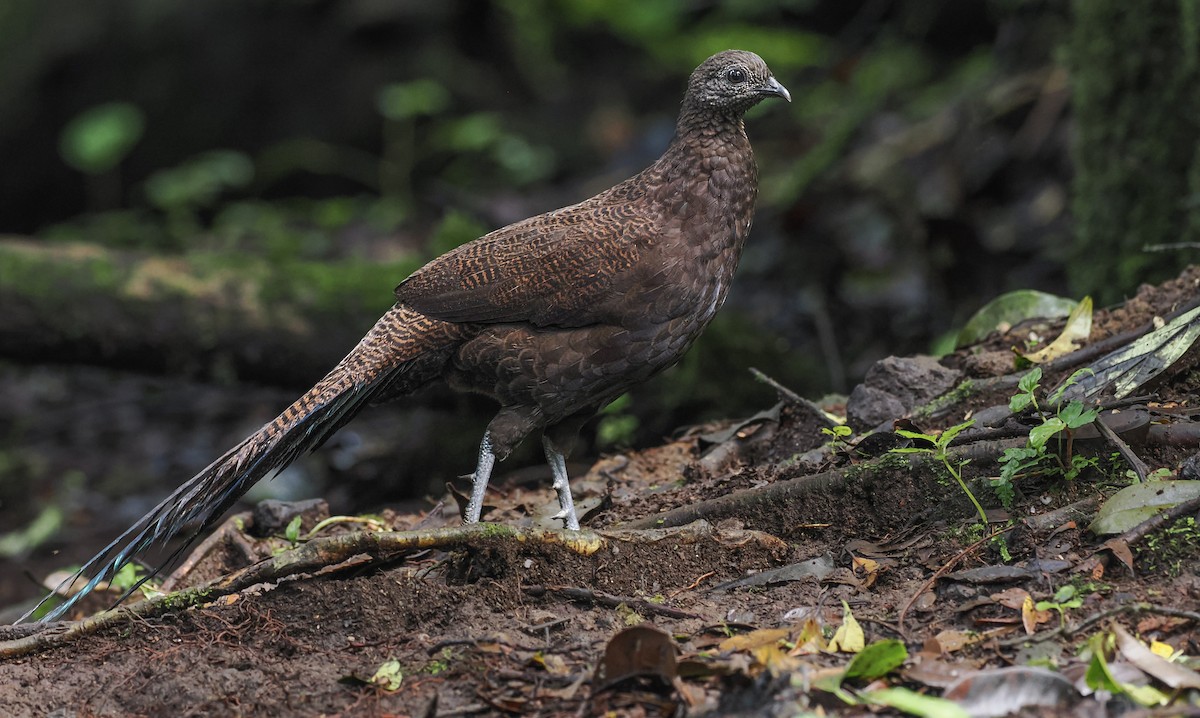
(608, 599)
(793, 398)
(1170, 246)
(1139, 466)
(1069, 632)
(692, 585)
(943, 571)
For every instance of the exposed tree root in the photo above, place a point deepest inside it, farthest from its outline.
(322, 553)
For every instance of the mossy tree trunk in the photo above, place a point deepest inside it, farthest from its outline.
(1136, 76)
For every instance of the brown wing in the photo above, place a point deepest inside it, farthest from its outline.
(556, 269)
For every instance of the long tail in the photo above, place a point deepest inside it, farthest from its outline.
(403, 351)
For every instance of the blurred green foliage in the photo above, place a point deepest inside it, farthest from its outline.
(200, 181)
(456, 228)
(182, 191)
(406, 100)
(436, 132)
(96, 140)
(617, 426)
(668, 30)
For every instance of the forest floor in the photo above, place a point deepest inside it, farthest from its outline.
(810, 547)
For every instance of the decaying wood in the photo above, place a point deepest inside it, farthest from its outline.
(184, 315)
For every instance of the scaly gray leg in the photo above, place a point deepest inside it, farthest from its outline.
(479, 480)
(558, 466)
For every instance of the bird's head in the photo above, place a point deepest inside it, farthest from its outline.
(732, 82)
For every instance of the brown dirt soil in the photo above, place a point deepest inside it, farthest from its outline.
(521, 628)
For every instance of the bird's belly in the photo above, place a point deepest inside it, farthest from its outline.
(565, 371)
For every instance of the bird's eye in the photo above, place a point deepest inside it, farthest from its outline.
(736, 75)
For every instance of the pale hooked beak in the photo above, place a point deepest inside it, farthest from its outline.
(772, 87)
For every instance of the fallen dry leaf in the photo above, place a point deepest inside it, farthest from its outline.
(849, 637)
(1136, 652)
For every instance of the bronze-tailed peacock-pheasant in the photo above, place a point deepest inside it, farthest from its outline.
(553, 317)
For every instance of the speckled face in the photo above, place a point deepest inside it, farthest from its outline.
(734, 80)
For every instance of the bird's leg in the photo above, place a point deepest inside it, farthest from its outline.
(479, 480)
(558, 466)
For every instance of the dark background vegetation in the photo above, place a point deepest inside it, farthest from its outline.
(183, 262)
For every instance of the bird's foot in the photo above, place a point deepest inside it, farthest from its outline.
(569, 519)
(562, 486)
(479, 480)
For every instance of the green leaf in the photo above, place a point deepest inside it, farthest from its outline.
(1018, 402)
(1131, 366)
(1064, 594)
(1146, 695)
(839, 431)
(616, 429)
(877, 660)
(292, 532)
(1070, 381)
(1134, 504)
(200, 180)
(913, 703)
(1019, 453)
(470, 133)
(1039, 435)
(389, 676)
(1003, 488)
(1013, 308)
(97, 139)
(1074, 416)
(456, 228)
(1031, 380)
(44, 527)
(1100, 677)
(948, 435)
(126, 577)
(916, 435)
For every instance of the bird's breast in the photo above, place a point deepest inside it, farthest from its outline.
(688, 270)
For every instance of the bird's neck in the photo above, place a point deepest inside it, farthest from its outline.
(705, 141)
(706, 122)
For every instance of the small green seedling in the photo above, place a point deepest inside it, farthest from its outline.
(292, 532)
(940, 451)
(1065, 598)
(838, 432)
(130, 576)
(1034, 458)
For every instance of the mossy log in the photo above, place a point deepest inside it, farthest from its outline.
(205, 315)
